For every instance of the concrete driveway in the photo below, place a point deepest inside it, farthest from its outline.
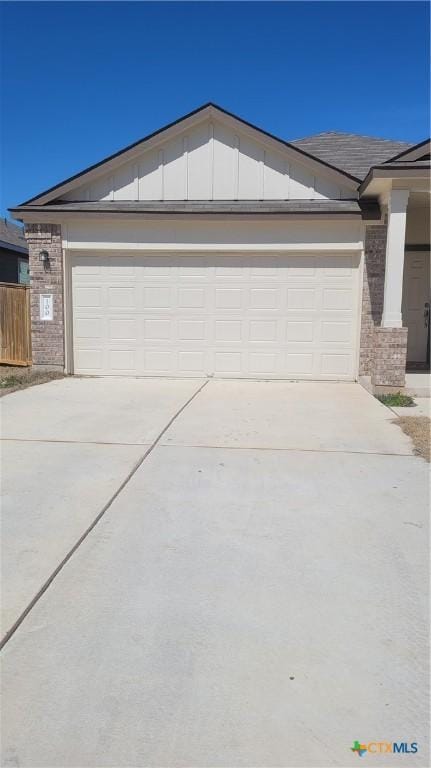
(223, 573)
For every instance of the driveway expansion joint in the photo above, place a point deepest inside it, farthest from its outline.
(71, 442)
(287, 450)
(93, 524)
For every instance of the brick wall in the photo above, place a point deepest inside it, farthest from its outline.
(47, 336)
(383, 351)
(372, 294)
(389, 364)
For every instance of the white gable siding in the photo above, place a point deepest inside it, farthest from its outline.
(126, 182)
(225, 169)
(150, 176)
(198, 165)
(212, 162)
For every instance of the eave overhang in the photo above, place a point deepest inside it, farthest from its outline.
(329, 209)
(395, 174)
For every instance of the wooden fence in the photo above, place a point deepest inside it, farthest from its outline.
(15, 327)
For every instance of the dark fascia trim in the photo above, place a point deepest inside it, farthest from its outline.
(10, 247)
(417, 247)
(388, 172)
(410, 149)
(410, 167)
(172, 125)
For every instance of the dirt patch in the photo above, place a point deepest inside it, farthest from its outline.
(13, 378)
(419, 429)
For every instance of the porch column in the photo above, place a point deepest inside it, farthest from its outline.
(395, 243)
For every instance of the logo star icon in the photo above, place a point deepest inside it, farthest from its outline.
(359, 748)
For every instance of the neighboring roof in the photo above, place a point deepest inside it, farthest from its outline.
(206, 107)
(204, 207)
(12, 237)
(351, 152)
(413, 151)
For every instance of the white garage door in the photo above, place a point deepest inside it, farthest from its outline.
(265, 316)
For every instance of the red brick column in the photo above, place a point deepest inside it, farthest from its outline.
(47, 336)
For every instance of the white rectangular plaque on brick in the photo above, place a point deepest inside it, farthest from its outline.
(46, 309)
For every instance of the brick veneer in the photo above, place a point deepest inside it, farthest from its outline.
(372, 294)
(383, 351)
(390, 352)
(47, 336)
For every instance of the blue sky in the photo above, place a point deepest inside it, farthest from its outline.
(82, 79)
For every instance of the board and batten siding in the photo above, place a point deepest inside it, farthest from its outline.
(211, 161)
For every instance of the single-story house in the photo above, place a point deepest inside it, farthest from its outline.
(213, 248)
(13, 253)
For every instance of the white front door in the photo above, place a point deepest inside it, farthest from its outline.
(259, 316)
(416, 294)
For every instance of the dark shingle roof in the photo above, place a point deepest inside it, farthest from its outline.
(351, 152)
(203, 207)
(12, 235)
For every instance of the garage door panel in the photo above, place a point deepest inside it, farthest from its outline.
(229, 298)
(157, 329)
(89, 360)
(291, 316)
(266, 363)
(264, 330)
(192, 361)
(337, 298)
(123, 297)
(123, 329)
(299, 364)
(228, 362)
(300, 331)
(192, 330)
(336, 364)
(89, 327)
(90, 297)
(156, 297)
(157, 361)
(192, 298)
(122, 360)
(230, 331)
(337, 331)
(265, 298)
(301, 298)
